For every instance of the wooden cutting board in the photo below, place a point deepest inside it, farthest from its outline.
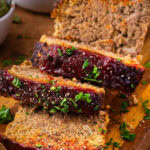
(21, 40)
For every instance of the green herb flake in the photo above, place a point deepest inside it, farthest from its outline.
(55, 89)
(84, 97)
(116, 144)
(39, 145)
(95, 72)
(63, 101)
(86, 64)
(124, 107)
(52, 111)
(36, 95)
(16, 82)
(17, 95)
(109, 143)
(119, 59)
(60, 52)
(74, 103)
(132, 86)
(6, 63)
(69, 51)
(93, 80)
(144, 82)
(52, 82)
(146, 109)
(5, 115)
(147, 65)
(17, 20)
(19, 60)
(27, 113)
(125, 134)
(42, 86)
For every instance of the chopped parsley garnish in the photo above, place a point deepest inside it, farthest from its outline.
(5, 115)
(125, 134)
(119, 59)
(16, 82)
(93, 80)
(114, 144)
(42, 86)
(144, 82)
(147, 110)
(63, 102)
(93, 76)
(132, 86)
(17, 20)
(55, 89)
(109, 143)
(74, 103)
(6, 63)
(124, 107)
(52, 82)
(103, 130)
(60, 52)
(52, 111)
(17, 95)
(95, 72)
(84, 97)
(27, 113)
(70, 51)
(147, 65)
(86, 64)
(4, 7)
(18, 61)
(39, 145)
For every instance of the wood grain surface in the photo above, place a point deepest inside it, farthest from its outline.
(32, 27)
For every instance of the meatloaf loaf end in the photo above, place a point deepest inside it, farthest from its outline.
(32, 130)
(112, 25)
(71, 60)
(29, 85)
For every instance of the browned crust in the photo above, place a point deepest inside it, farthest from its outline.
(58, 6)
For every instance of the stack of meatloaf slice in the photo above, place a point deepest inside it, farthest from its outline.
(77, 118)
(62, 88)
(112, 25)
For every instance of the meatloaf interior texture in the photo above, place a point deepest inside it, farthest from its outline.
(29, 85)
(36, 130)
(73, 60)
(113, 25)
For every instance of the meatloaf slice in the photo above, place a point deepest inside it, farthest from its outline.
(32, 130)
(112, 25)
(29, 85)
(63, 58)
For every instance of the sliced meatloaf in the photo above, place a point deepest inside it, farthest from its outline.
(112, 25)
(63, 58)
(32, 130)
(29, 85)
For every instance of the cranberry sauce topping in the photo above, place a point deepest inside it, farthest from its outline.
(87, 66)
(50, 95)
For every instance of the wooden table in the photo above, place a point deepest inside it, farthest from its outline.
(21, 40)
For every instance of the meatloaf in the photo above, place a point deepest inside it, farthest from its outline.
(71, 60)
(113, 25)
(29, 85)
(32, 130)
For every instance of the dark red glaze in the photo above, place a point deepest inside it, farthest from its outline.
(114, 74)
(40, 94)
